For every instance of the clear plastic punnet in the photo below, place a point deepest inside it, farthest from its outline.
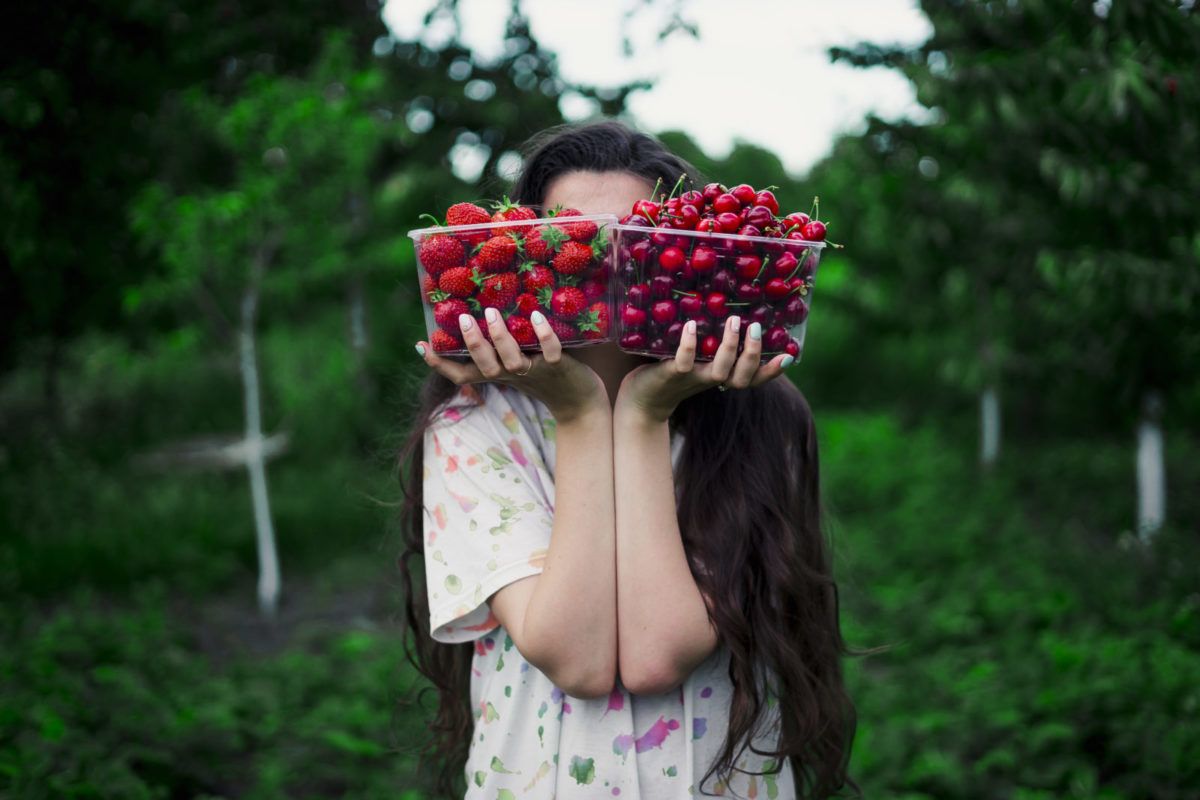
(561, 266)
(665, 277)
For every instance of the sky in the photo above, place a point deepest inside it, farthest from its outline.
(723, 87)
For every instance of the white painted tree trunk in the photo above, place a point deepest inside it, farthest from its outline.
(1151, 469)
(268, 561)
(989, 425)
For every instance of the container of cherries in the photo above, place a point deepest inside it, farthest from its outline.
(517, 261)
(705, 255)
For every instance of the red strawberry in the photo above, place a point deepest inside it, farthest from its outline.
(573, 258)
(457, 281)
(564, 330)
(583, 231)
(541, 243)
(443, 341)
(445, 313)
(429, 285)
(538, 278)
(440, 252)
(498, 291)
(508, 211)
(522, 330)
(594, 321)
(497, 254)
(467, 214)
(594, 288)
(567, 302)
(527, 303)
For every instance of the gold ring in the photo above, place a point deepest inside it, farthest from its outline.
(722, 387)
(525, 372)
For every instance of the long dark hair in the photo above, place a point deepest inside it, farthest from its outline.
(749, 510)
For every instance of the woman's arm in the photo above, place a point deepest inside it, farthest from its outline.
(564, 620)
(662, 621)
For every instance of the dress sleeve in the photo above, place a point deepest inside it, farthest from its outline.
(489, 509)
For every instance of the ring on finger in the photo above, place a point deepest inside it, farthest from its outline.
(528, 366)
(722, 387)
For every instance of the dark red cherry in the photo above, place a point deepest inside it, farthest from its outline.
(671, 258)
(709, 345)
(633, 341)
(747, 266)
(762, 314)
(776, 339)
(661, 287)
(703, 259)
(640, 251)
(658, 346)
(792, 348)
(712, 191)
(749, 291)
(776, 288)
(714, 303)
(795, 310)
(767, 198)
(728, 221)
(744, 193)
(815, 231)
(726, 203)
(795, 221)
(632, 316)
(648, 209)
(691, 306)
(674, 332)
(784, 265)
(723, 281)
(639, 295)
(760, 216)
(663, 311)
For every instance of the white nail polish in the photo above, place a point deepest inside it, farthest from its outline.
(491, 314)
(537, 318)
(756, 330)
(691, 326)
(735, 322)
(465, 322)
(787, 361)
(421, 350)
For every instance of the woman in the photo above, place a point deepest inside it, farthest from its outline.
(626, 581)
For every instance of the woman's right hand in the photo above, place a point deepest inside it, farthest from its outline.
(568, 388)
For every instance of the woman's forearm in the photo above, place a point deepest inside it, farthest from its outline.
(570, 622)
(662, 622)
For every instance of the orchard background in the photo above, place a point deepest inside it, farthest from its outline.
(207, 307)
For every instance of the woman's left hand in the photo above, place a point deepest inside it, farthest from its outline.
(655, 390)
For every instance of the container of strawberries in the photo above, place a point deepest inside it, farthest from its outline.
(705, 255)
(517, 261)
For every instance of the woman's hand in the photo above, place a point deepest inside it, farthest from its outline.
(569, 388)
(655, 390)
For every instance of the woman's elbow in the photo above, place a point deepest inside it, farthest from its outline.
(652, 679)
(586, 685)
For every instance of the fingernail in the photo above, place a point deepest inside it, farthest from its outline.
(756, 330)
(491, 314)
(735, 322)
(537, 318)
(421, 350)
(465, 322)
(787, 361)
(691, 326)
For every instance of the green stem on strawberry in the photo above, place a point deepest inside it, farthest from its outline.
(436, 222)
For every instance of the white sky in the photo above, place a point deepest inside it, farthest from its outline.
(758, 73)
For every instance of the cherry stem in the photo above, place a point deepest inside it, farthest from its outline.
(766, 261)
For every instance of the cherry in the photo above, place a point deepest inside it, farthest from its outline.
(767, 198)
(662, 238)
(723, 281)
(663, 311)
(633, 341)
(744, 193)
(671, 258)
(795, 284)
(658, 346)
(815, 231)
(748, 290)
(692, 198)
(762, 314)
(760, 216)
(704, 327)
(648, 209)
(747, 266)
(632, 316)
(691, 306)
(661, 287)
(709, 345)
(712, 191)
(689, 215)
(810, 265)
(792, 348)
(785, 264)
(674, 333)
(714, 303)
(640, 251)
(704, 259)
(776, 339)
(638, 295)
(633, 220)
(776, 288)
(726, 203)
(795, 310)
(743, 245)
(797, 219)
(728, 222)
(708, 225)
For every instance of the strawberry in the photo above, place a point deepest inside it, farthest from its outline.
(457, 281)
(498, 291)
(527, 303)
(574, 257)
(443, 341)
(445, 313)
(497, 254)
(440, 252)
(522, 330)
(564, 330)
(594, 287)
(583, 231)
(508, 211)
(467, 214)
(429, 285)
(542, 243)
(594, 322)
(567, 302)
(538, 278)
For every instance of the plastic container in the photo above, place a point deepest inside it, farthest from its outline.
(561, 266)
(665, 277)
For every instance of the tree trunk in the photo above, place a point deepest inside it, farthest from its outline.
(359, 336)
(1151, 469)
(268, 561)
(989, 425)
